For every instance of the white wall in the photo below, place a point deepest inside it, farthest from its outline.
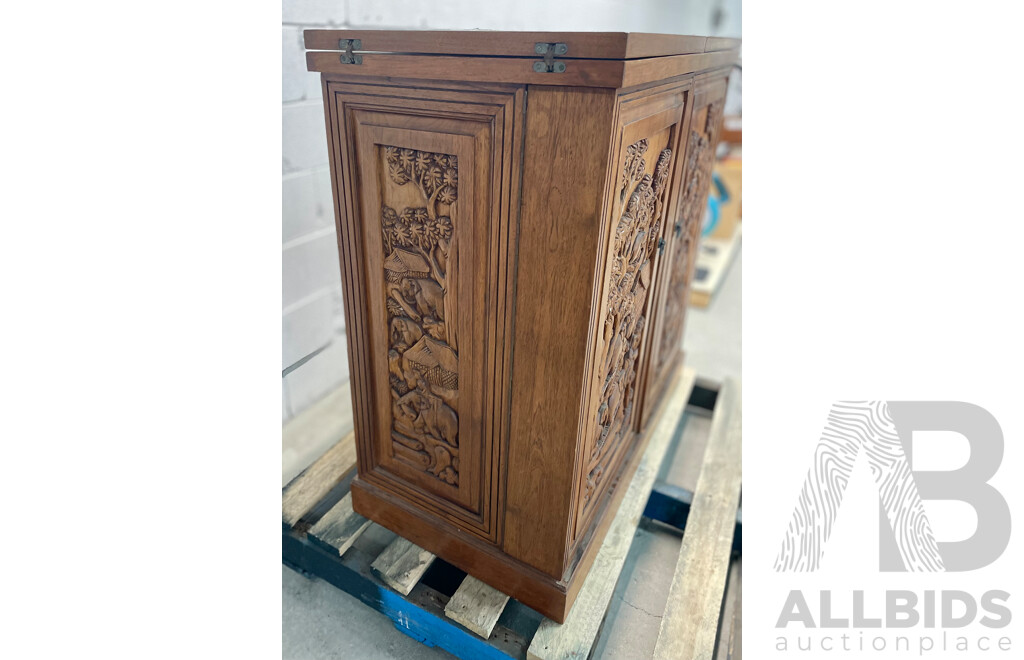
(314, 359)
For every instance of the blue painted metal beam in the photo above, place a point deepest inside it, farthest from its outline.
(670, 505)
(408, 617)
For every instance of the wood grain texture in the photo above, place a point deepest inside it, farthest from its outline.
(731, 627)
(568, 139)
(645, 44)
(721, 43)
(581, 73)
(608, 45)
(303, 492)
(596, 45)
(476, 605)
(401, 565)
(639, 72)
(585, 73)
(690, 624)
(339, 528)
(575, 637)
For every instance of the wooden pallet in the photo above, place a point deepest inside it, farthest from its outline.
(439, 605)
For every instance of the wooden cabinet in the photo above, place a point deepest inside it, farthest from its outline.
(517, 215)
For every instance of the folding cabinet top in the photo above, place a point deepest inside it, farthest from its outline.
(587, 59)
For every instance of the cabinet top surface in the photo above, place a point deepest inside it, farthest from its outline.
(583, 45)
(587, 59)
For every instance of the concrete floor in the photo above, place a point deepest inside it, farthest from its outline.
(321, 622)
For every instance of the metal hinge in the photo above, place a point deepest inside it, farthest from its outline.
(678, 228)
(661, 245)
(549, 65)
(349, 45)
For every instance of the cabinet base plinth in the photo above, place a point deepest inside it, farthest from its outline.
(481, 560)
(550, 596)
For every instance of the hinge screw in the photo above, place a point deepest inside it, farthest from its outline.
(349, 45)
(549, 65)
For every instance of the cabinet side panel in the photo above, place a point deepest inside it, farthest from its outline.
(568, 140)
(425, 191)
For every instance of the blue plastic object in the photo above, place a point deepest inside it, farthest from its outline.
(715, 205)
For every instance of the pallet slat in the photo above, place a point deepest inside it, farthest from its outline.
(576, 636)
(690, 624)
(419, 615)
(305, 490)
(476, 605)
(340, 527)
(729, 646)
(402, 564)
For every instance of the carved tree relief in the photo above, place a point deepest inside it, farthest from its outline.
(420, 269)
(699, 160)
(636, 238)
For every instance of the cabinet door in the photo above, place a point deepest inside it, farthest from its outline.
(701, 141)
(428, 180)
(649, 127)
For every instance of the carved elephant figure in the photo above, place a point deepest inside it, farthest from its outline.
(438, 420)
(404, 332)
(404, 412)
(426, 296)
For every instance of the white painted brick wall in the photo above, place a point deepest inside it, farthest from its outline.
(303, 133)
(326, 370)
(314, 358)
(308, 327)
(327, 13)
(310, 265)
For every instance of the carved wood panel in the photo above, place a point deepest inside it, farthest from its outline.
(425, 253)
(700, 153)
(421, 270)
(690, 203)
(635, 242)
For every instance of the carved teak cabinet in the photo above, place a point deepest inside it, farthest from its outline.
(517, 218)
